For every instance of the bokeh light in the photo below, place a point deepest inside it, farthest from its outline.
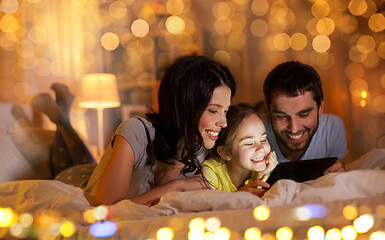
(348, 233)
(321, 43)
(140, 28)
(333, 234)
(316, 233)
(164, 234)
(175, 25)
(110, 41)
(284, 233)
(262, 213)
(350, 212)
(253, 233)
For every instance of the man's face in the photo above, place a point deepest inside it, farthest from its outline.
(294, 121)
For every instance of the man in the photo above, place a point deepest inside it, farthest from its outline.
(295, 125)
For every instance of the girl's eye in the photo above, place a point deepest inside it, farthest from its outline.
(248, 144)
(263, 141)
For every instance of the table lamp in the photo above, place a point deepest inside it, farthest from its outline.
(99, 91)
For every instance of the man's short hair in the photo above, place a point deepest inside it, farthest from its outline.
(292, 79)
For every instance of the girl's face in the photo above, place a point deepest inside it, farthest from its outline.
(250, 147)
(213, 118)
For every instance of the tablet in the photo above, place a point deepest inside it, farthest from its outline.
(302, 170)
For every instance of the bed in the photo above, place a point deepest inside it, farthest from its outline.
(351, 204)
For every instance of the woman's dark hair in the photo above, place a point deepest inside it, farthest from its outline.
(235, 115)
(291, 79)
(184, 93)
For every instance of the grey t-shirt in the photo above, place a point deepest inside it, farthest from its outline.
(142, 179)
(328, 141)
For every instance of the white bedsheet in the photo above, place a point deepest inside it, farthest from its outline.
(333, 190)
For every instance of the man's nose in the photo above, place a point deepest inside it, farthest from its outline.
(294, 125)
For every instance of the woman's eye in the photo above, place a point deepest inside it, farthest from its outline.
(213, 111)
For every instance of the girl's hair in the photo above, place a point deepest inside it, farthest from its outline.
(235, 115)
(184, 93)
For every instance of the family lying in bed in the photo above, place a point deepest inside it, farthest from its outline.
(165, 150)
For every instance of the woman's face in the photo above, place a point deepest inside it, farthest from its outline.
(213, 118)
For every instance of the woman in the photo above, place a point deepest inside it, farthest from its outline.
(151, 156)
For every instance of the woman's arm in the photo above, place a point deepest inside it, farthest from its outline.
(187, 184)
(116, 177)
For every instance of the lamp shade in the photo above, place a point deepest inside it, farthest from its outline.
(99, 90)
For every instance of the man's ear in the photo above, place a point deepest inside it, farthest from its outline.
(225, 155)
(321, 107)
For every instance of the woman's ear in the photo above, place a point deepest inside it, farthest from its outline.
(225, 155)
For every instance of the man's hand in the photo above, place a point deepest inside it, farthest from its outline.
(336, 167)
(255, 187)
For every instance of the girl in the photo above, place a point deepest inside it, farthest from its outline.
(165, 149)
(241, 155)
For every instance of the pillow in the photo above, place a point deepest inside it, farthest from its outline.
(13, 164)
(35, 145)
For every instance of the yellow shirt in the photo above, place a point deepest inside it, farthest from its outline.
(217, 175)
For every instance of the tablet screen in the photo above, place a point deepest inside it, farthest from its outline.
(301, 171)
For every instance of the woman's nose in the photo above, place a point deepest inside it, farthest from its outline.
(222, 121)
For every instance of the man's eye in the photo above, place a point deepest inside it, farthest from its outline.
(280, 116)
(304, 115)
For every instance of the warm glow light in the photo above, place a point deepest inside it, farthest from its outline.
(378, 235)
(175, 7)
(320, 9)
(175, 25)
(67, 229)
(281, 41)
(9, 6)
(222, 234)
(261, 213)
(356, 87)
(363, 223)
(325, 26)
(377, 22)
(357, 7)
(164, 234)
(8, 23)
(298, 41)
(26, 220)
(259, 27)
(363, 103)
(349, 211)
(118, 10)
(253, 233)
(197, 223)
(321, 43)
(357, 56)
(284, 233)
(333, 234)
(212, 224)
(316, 233)
(140, 28)
(99, 90)
(6, 217)
(221, 10)
(110, 41)
(381, 50)
(348, 233)
(195, 234)
(366, 44)
(260, 7)
(364, 94)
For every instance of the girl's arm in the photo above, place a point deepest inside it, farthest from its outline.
(116, 177)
